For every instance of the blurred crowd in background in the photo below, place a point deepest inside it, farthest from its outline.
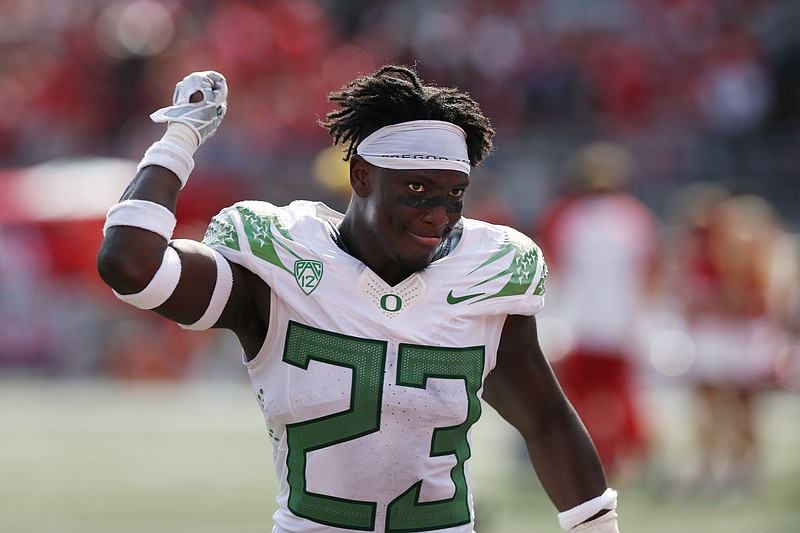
(652, 148)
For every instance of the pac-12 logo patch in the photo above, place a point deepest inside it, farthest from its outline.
(308, 274)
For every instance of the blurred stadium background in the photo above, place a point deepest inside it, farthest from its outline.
(112, 420)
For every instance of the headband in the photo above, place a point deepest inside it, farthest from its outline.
(418, 144)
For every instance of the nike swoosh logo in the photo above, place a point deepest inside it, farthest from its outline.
(453, 300)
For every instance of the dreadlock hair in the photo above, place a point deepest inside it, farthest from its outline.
(396, 94)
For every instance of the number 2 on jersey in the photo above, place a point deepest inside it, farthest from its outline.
(366, 358)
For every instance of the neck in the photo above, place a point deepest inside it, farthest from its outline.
(363, 245)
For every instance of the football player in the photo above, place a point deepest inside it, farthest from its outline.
(371, 337)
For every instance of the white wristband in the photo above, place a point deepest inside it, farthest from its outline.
(161, 286)
(222, 291)
(581, 513)
(606, 523)
(141, 214)
(171, 156)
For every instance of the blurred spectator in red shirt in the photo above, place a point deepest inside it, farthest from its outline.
(602, 246)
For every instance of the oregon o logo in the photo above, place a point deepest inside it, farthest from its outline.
(391, 303)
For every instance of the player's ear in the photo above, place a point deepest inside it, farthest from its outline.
(359, 176)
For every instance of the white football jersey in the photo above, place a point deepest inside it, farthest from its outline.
(369, 390)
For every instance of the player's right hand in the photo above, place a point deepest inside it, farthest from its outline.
(203, 116)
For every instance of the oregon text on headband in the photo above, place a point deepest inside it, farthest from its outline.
(418, 144)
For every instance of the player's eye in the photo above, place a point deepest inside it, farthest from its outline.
(457, 193)
(416, 187)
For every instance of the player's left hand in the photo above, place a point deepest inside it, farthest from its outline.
(203, 116)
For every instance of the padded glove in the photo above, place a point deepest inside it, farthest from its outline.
(202, 117)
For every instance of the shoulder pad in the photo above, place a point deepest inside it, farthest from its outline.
(260, 224)
(525, 267)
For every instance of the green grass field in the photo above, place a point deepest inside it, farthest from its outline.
(112, 457)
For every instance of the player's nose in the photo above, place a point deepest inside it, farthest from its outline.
(436, 216)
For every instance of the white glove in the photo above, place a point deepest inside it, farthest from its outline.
(202, 117)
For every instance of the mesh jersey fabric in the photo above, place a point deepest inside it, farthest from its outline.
(368, 390)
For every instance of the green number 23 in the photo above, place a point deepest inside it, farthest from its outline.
(366, 359)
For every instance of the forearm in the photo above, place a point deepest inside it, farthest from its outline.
(571, 473)
(154, 183)
(524, 390)
(566, 461)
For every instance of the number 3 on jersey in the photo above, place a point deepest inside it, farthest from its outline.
(366, 359)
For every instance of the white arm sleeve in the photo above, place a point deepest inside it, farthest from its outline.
(161, 286)
(222, 291)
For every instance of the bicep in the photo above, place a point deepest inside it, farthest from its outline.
(198, 282)
(198, 276)
(522, 387)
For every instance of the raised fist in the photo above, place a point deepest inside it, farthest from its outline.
(202, 115)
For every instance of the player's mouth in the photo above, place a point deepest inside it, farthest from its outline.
(426, 241)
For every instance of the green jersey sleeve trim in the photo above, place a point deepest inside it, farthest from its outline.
(259, 225)
(521, 271)
(222, 232)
